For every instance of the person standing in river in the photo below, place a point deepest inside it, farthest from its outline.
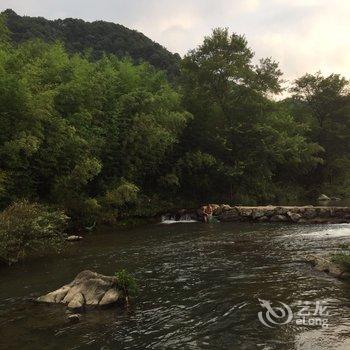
(206, 212)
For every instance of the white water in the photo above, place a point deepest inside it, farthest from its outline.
(342, 230)
(184, 219)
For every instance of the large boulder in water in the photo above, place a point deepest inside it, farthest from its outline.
(325, 264)
(88, 288)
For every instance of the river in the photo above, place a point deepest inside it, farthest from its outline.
(200, 287)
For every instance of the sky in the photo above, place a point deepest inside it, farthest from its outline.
(302, 35)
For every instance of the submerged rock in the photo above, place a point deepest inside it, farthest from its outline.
(88, 288)
(323, 197)
(74, 238)
(73, 318)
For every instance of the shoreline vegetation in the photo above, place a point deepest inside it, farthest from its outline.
(89, 140)
(336, 265)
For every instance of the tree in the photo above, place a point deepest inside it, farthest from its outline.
(324, 103)
(4, 31)
(235, 122)
(72, 129)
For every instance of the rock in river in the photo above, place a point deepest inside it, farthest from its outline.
(325, 264)
(74, 238)
(323, 197)
(88, 288)
(73, 318)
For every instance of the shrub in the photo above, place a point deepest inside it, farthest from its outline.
(342, 259)
(127, 283)
(126, 193)
(30, 229)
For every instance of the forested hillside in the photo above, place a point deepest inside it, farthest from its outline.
(99, 37)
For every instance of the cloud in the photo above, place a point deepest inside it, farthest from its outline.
(312, 38)
(303, 35)
(175, 37)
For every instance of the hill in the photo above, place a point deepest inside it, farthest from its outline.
(99, 36)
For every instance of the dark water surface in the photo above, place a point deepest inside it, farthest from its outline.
(199, 289)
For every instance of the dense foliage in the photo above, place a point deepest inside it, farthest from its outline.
(105, 138)
(323, 103)
(98, 37)
(84, 135)
(240, 142)
(30, 229)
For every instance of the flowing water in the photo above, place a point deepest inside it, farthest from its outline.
(200, 287)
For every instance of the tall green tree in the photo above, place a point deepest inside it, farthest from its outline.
(323, 102)
(248, 136)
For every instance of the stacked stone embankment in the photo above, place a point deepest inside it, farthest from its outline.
(307, 214)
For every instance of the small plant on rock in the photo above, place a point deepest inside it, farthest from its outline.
(127, 283)
(342, 259)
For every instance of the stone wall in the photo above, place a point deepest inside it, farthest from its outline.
(307, 214)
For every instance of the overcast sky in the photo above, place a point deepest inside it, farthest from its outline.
(303, 35)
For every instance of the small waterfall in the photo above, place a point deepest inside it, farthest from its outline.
(172, 219)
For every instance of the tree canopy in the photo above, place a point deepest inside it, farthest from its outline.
(96, 38)
(76, 132)
(250, 140)
(324, 104)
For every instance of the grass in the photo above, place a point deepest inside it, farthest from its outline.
(344, 246)
(342, 259)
